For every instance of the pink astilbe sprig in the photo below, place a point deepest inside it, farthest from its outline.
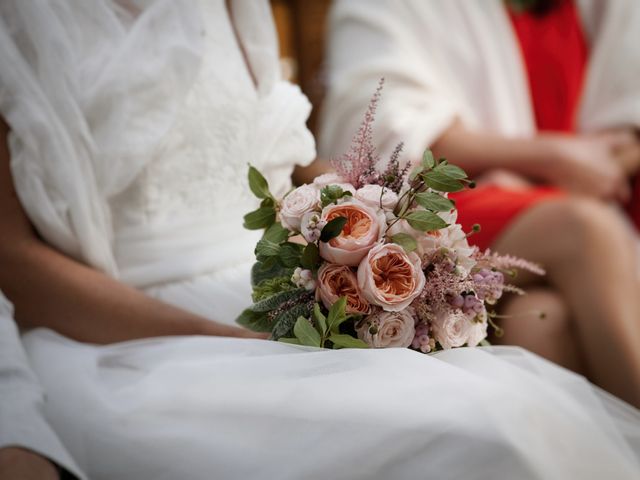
(507, 262)
(443, 283)
(361, 158)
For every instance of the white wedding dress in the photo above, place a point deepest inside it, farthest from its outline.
(133, 123)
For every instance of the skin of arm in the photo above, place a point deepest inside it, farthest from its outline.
(585, 164)
(48, 289)
(306, 174)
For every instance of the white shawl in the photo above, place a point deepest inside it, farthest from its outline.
(444, 59)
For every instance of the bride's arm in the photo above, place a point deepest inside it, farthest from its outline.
(51, 290)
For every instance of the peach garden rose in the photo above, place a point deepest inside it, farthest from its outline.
(364, 228)
(335, 281)
(390, 278)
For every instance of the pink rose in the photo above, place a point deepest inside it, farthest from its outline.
(390, 278)
(335, 281)
(302, 200)
(388, 329)
(370, 195)
(452, 329)
(364, 228)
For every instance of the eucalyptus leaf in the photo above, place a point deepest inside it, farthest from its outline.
(263, 217)
(406, 241)
(337, 314)
(310, 258)
(332, 229)
(347, 341)
(425, 221)
(434, 202)
(306, 333)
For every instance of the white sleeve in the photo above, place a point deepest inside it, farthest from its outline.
(370, 39)
(611, 95)
(22, 422)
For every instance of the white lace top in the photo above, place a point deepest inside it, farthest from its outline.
(150, 118)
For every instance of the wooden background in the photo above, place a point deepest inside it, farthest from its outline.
(301, 30)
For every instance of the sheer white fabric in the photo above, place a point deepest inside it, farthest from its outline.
(448, 59)
(200, 407)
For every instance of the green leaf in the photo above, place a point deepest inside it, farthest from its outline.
(271, 286)
(321, 320)
(451, 171)
(262, 271)
(415, 172)
(290, 254)
(261, 218)
(434, 202)
(256, 321)
(337, 314)
(306, 333)
(276, 233)
(347, 341)
(428, 162)
(406, 241)
(425, 221)
(441, 182)
(292, 341)
(332, 229)
(310, 258)
(331, 194)
(268, 202)
(258, 184)
(266, 248)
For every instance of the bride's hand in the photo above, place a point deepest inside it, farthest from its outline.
(586, 165)
(220, 330)
(20, 463)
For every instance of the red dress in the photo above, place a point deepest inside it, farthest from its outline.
(554, 50)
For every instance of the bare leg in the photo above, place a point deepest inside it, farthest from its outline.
(551, 336)
(591, 261)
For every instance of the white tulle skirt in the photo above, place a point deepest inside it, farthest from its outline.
(205, 407)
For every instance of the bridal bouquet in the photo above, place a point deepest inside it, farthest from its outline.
(371, 256)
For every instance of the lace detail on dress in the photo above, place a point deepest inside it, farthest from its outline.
(200, 169)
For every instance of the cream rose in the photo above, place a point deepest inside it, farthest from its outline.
(452, 329)
(370, 195)
(364, 228)
(335, 281)
(390, 278)
(388, 329)
(303, 199)
(478, 330)
(333, 179)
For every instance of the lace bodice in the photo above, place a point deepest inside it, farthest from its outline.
(199, 170)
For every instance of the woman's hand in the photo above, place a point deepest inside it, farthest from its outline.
(587, 164)
(19, 463)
